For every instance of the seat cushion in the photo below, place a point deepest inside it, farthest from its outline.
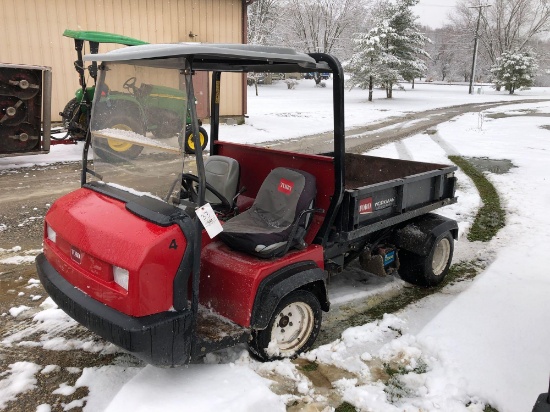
(264, 229)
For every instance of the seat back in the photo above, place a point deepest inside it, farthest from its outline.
(222, 173)
(265, 229)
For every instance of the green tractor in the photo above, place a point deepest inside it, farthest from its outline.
(158, 107)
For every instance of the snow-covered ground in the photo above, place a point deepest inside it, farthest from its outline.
(474, 343)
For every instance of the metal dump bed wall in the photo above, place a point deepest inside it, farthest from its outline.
(392, 191)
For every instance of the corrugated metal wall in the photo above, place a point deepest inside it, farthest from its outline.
(31, 33)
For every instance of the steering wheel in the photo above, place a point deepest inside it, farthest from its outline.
(130, 85)
(187, 180)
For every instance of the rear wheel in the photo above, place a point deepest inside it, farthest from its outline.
(429, 270)
(119, 150)
(74, 120)
(293, 327)
(189, 143)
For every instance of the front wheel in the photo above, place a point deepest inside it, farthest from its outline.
(115, 150)
(189, 143)
(293, 327)
(429, 270)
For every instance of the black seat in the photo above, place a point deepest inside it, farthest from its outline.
(222, 179)
(278, 218)
(222, 173)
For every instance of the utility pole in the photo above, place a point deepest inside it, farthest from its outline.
(473, 72)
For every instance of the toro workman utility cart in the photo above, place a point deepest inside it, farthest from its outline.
(133, 254)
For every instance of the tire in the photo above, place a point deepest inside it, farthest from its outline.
(429, 270)
(189, 144)
(74, 120)
(117, 151)
(301, 305)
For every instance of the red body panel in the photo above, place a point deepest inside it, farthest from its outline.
(104, 233)
(95, 232)
(230, 280)
(257, 162)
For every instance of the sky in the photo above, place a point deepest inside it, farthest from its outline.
(433, 13)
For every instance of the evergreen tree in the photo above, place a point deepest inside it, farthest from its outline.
(373, 62)
(514, 70)
(393, 48)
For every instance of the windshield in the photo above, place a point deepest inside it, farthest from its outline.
(138, 120)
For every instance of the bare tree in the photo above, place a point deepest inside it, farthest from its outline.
(263, 19)
(323, 25)
(506, 25)
(450, 53)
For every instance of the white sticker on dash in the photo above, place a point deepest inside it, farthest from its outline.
(209, 220)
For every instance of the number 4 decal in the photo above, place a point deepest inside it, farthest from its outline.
(173, 244)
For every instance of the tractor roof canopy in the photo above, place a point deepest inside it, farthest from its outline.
(102, 37)
(216, 57)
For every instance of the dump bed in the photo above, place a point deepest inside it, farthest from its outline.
(381, 192)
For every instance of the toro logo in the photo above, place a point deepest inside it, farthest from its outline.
(286, 186)
(365, 206)
(76, 255)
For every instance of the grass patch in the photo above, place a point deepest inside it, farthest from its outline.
(345, 407)
(309, 367)
(459, 272)
(491, 217)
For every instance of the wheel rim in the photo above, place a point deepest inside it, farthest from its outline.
(191, 142)
(441, 256)
(119, 145)
(292, 327)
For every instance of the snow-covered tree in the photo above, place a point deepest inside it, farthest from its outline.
(505, 25)
(393, 48)
(323, 26)
(263, 19)
(373, 61)
(514, 70)
(410, 42)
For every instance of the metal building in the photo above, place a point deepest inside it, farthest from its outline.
(31, 33)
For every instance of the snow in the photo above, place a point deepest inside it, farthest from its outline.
(472, 344)
(237, 388)
(16, 311)
(64, 390)
(17, 379)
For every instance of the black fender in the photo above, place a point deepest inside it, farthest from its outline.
(302, 275)
(418, 234)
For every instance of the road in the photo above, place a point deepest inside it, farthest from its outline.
(27, 194)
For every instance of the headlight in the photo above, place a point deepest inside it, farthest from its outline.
(121, 277)
(51, 233)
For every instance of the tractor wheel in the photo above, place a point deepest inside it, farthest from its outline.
(189, 144)
(429, 270)
(74, 120)
(293, 327)
(115, 150)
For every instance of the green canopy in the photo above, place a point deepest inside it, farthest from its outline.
(103, 37)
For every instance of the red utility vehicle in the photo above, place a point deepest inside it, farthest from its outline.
(126, 255)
